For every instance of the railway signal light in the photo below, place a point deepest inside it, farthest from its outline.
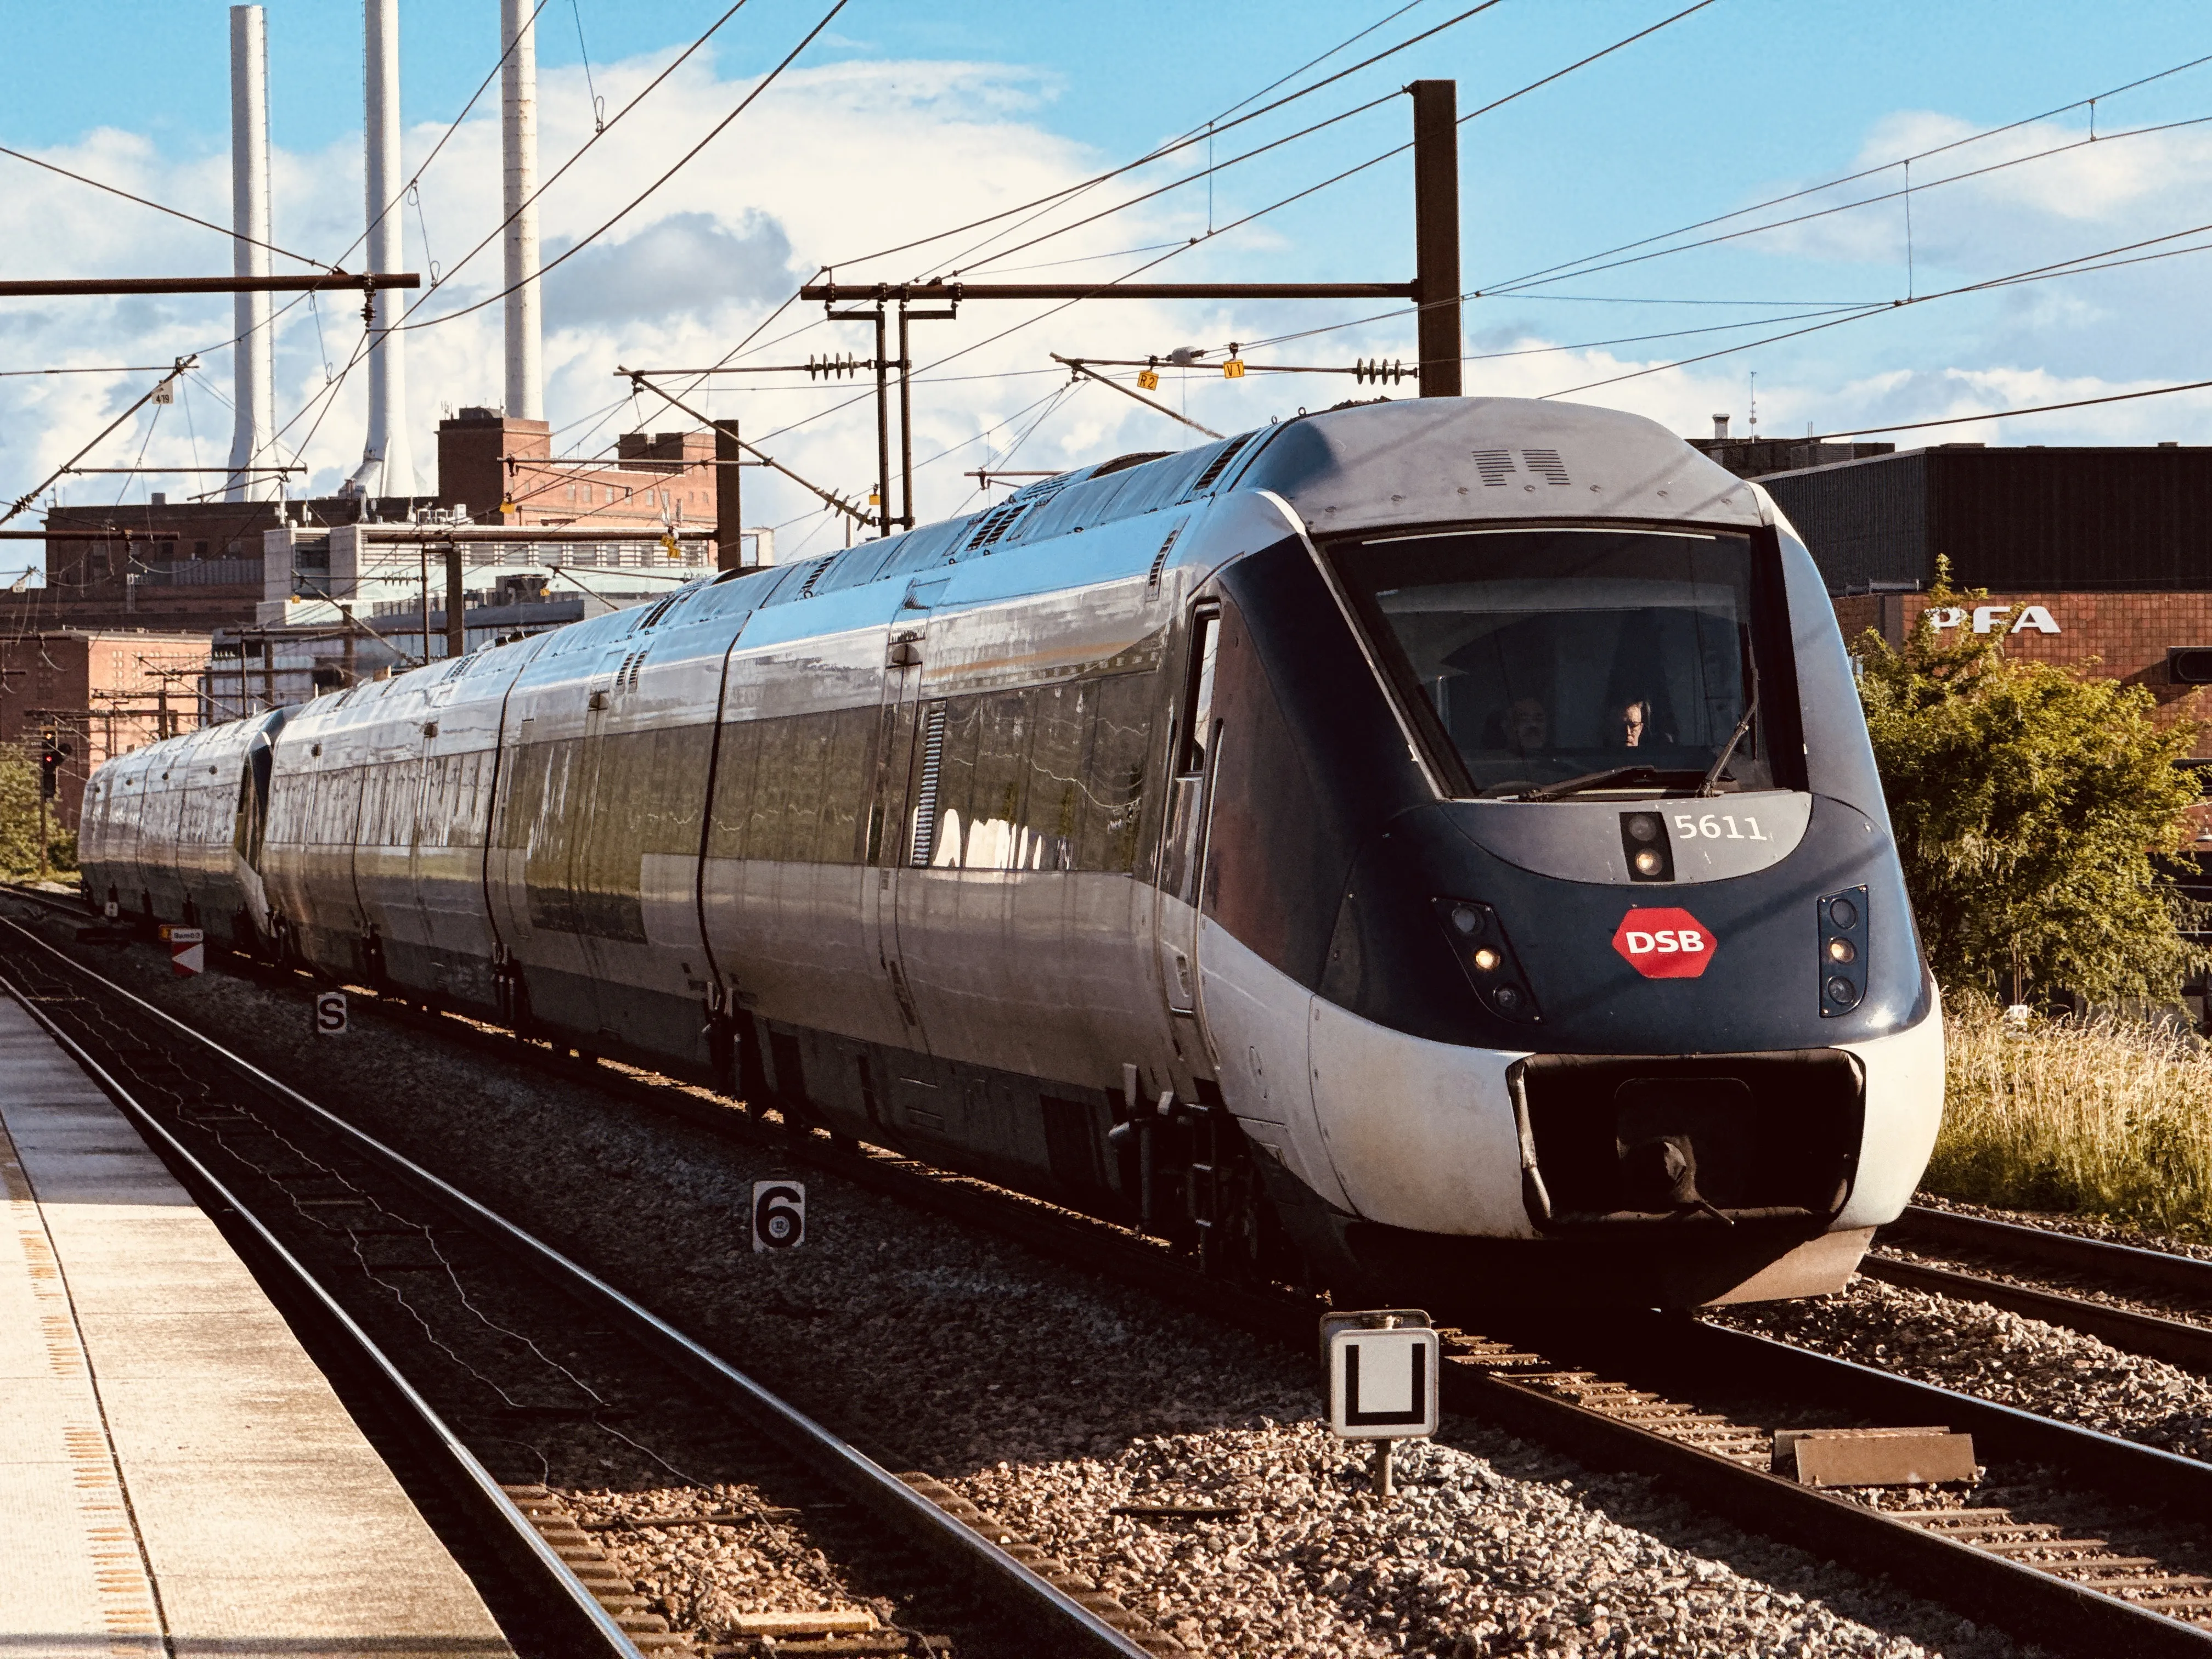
(50, 764)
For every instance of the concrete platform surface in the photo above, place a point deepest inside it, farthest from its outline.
(176, 1476)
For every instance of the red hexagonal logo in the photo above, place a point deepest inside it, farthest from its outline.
(1664, 944)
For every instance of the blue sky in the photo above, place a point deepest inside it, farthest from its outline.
(905, 119)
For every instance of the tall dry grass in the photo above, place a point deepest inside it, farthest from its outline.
(2101, 1117)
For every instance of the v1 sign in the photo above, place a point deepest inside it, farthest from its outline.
(1667, 944)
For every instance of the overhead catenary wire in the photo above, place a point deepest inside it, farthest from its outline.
(639, 200)
(1272, 207)
(2007, 414)
(2079, 265)
(1852, 178)
(1905, 193)
(1399, 150)
(1197, 136)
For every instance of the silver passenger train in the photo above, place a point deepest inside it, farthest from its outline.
(1430, 848)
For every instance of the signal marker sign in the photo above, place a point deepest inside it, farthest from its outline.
(187, 951)
(779, 1215)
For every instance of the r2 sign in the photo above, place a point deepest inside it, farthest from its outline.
(779, 1215)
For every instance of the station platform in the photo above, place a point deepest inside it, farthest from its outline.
(176, 1475)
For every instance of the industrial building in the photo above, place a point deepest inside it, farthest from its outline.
(102, 693)
(2091, 557)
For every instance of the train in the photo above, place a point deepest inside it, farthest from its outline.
(1425, 849)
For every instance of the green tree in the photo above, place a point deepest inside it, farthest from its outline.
(2031, 803)
(19, 819)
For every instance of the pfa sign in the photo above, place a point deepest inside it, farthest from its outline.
(187, 950)
(329, 1014)
(779, 1215)
(1382, 1382)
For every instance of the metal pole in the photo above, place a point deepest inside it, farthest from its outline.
(883, 431)
(456, 633)
(1380, 1470)
(424, 554)
(1435, 234)
(42, 835)
(729, 498)
(906, 426)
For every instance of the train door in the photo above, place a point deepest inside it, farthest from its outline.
(902, 809)
(1188, 818)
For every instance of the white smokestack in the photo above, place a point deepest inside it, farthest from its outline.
(256, 431)
(387, 466)
(525, 390)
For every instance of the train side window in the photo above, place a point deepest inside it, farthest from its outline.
(1198, 700)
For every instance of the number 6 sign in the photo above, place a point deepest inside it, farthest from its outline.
(779, 1215)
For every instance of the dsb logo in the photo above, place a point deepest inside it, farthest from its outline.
(1664, 944)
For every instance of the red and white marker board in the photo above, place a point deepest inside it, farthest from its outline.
(187, 951)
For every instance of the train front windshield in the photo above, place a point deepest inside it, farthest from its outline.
(1537, 656)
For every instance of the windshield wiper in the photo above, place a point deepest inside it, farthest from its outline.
(1711, 785)
(1613, 776)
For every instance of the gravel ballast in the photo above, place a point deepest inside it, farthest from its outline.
(1980, 1350)
(1046, 1397)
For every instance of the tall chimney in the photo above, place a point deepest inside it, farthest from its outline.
(251, 439)
(525, 390)
(387, 466)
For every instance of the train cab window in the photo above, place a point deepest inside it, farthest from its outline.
(1198, 704)
(1617, 660)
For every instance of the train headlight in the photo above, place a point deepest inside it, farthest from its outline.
(1644, 839)
(1842, 919)
(1486, 957)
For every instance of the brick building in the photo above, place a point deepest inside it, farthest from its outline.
(198, 565)
(103, 693)
(2095, 558)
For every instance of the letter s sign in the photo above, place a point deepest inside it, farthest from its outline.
(1667, 944)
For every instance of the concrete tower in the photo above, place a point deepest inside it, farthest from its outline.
(387, 466)
(526, 388)
(253, 441)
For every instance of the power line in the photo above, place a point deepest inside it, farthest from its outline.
(581, 150)
(2006, 414)
(1272, 207)
(2073, 267)
(158, 207)
(1852, 178)
(1907, 194)
(637, 201)
(1198, 136)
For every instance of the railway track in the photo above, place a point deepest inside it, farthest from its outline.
(2148, 1302)
(287, 1179)
(2071, 1538)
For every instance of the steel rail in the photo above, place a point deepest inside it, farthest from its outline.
(2015, 1595)
(2161, 1270)
(2175, 1341)
(571, 1610)
(1073, 1626)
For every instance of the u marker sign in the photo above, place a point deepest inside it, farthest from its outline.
(1664, 944)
